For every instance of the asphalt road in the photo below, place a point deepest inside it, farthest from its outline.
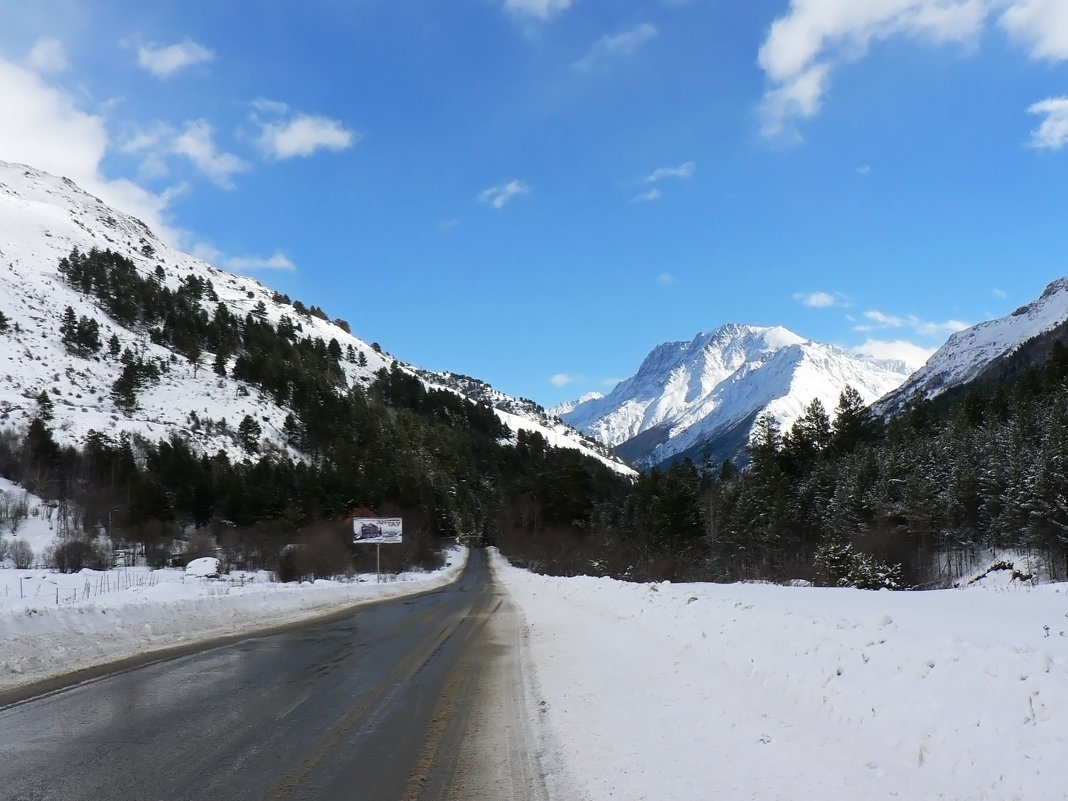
(415, 699)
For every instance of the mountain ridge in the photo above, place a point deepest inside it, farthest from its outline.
(43, 219)
(705, 393)
(970, 354)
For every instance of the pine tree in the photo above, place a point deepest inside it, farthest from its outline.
(809, 436)
(852, 423)
(68, 326)
(1047, 507)
(88, 336)
(80, 336)
(45, 407)
(248, 434)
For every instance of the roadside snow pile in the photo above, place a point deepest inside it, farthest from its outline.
(694, 691)
(55, 623)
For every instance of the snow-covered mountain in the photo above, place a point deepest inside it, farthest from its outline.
(43, 218)
(707, 393)
(974, 352)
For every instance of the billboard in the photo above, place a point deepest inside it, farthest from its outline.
(376, 529)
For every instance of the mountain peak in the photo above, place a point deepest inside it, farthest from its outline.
(708, 391)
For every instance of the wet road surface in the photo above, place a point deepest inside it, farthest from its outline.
(419, 698)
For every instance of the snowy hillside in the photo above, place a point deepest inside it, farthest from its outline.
(710, 391)
(524, 414)
(44, 218)
(968, 353)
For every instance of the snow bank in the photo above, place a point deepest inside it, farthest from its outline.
(52, 624)
(692, 691)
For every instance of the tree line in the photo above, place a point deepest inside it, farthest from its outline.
(839, 498)
(853, 499)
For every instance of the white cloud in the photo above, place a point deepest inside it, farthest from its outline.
(821, 300)
(196, 142)
(43, 126)
(814, 37)
(1041, 25)
(154, 145)
(142, 139)
(648, 197)
(683, 171)
(1052, 133)
(163, 62)
(610, 47)
(667, 278)
(801, 96)
(935, 329)
(243, 264)
(303, 135)
(48, 55)
(540, 9)
(153, 167)
(913, 355)
(922, 327)
(500, 196)
(837, 30)
(864, 169)
(884, 320)
(562, 379)
(999, 293)
(268, 106)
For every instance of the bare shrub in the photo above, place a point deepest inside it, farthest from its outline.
(21, 554)
(322, 552)
(326, 555)
(18, 509)
(70, 556)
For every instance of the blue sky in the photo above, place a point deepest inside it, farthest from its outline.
(538, 192)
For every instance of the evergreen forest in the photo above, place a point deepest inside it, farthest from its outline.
(841, 498)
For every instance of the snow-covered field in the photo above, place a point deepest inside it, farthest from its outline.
(660, 691)
(749, 691)
(54, 623)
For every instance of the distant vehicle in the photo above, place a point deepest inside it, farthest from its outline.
(204, 567)
(369, 531)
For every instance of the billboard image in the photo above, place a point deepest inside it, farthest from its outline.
(376, 529)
